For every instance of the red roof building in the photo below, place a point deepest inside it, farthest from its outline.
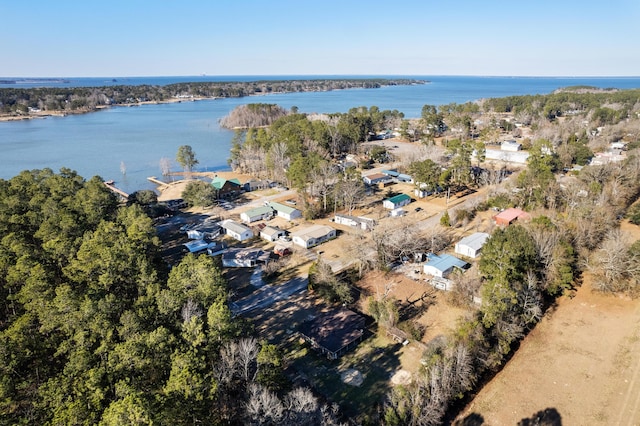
(508, 216)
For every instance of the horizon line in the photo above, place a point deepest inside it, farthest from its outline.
(324, 75)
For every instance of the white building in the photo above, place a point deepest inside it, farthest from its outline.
(286, 212)
(259, 213)
(397, 201)
(313, 236)
(472, 245)
(511, 145)
(364, 223)
(236, 230)
(271, 233)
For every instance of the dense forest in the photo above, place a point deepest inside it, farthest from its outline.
(96, 329)
(18, 101)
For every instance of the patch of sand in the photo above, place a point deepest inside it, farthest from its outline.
(401, 377)
(352, 377)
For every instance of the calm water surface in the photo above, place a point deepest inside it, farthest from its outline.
(139, 137)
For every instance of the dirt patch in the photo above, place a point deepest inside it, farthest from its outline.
(433, 312)
(352, 377)
(402, 377)
(582, 360)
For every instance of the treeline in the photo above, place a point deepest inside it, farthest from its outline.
(18, 101)
(95, 328)
(609, 106)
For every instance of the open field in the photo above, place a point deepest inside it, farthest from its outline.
(581, 363)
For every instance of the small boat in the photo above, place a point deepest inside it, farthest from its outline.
(109, 182)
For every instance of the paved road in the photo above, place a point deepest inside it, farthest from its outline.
(268, 295)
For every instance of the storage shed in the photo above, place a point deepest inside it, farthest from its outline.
(471, 245)
(508, 216)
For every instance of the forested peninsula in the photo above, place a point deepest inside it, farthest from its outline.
(21, 103)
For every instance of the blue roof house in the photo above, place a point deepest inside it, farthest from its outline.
(442, 265)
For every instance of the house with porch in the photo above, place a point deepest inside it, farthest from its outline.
(226, 187)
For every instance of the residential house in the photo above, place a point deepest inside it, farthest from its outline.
(201, 231)
(404, 178)
(441, 266)
(397, 201)
(197, 246)
(236, 230)
(471, 245)
(333, 333)
(284, 211)
(258, 213)
(271, 233)
(390, 173)
(376, 178)
(226, 187)
(364, 223)
(397, 212)
(244, 258)
(313, 236)
(511, 145)
(256, 185)
(519, 157)
(508, 216)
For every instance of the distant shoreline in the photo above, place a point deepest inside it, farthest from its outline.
(173, 93)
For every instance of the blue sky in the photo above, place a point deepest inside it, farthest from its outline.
(66, 38)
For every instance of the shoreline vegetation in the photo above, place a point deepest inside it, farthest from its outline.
(24, 104)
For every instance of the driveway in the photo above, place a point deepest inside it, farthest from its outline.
(268, 295)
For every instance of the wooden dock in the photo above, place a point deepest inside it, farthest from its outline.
(158, 182)
(109, 184)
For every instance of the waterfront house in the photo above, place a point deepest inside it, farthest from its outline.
(226, 187)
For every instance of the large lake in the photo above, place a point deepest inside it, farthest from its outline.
(101, 143)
